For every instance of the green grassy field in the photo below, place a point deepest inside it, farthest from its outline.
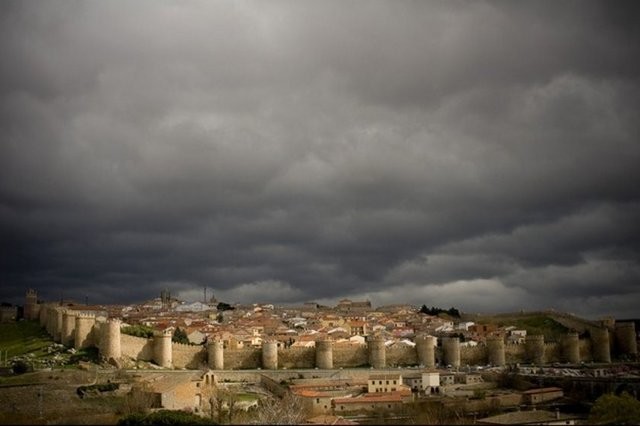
(247, 396)
(23, 337)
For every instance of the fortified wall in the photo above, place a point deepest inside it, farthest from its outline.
(82, 330)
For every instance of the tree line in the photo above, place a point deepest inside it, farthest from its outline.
(435, 311)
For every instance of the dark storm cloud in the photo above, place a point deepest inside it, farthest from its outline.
(476, 154)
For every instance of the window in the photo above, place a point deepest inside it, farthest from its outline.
(394, 382)
(318, 401)
(387, 382)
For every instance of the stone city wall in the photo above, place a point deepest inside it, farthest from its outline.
(514, 353)
(245, 358)
(473, 355)
(552, 352)
(297, 358)
(83, 329)
(136, 347)
(401, 356)
(350, 356)
(188, 356)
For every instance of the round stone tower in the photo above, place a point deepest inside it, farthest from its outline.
(426, 350)
(42, 315)
(600, 344)
(57, 326)
(50, 320)
(68, 337)
(111, 340)
(377, 352)
(162, 350)
(324, 354)
(626, 339)
(534, 349)
(30, 304)
(571, 348)
(215, 354)
(495, 351)
(53, 322)
(451, 351)
(84, 330)
(270, 355)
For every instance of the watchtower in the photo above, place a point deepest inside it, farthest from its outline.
(68, 335)
(451, 349)
(534, 346)
(626, 344)
(163, 355)
(57, 325)
(377, 352)
(215, 354)
(270, 355)
(84, 330)
(111, 345)
(600, 344)
(324, 354)
(43, 315)
(31, 304)
(571, 348)
(426, 351)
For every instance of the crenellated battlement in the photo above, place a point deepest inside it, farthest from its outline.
(162, 333)
(185, 345)
(535, 338)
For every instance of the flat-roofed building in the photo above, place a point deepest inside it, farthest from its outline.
(389, 401)
(536, 396)
(384, 383)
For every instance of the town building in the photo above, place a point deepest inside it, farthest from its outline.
(536, 396)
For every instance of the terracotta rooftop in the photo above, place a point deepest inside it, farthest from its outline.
(379, 398)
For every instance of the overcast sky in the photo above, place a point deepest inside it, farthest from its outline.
(482, 155)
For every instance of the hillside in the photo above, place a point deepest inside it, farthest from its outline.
(551, 325)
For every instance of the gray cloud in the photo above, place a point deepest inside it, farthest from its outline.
(444, 153)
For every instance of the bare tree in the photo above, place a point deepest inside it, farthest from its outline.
(286, 411)
(221, 403)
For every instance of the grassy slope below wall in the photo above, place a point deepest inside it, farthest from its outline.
(19, 338)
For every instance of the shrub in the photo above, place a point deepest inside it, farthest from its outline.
(180, 336)
(86, 355)
(138, 330)
(610, 409)
(20, 367)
